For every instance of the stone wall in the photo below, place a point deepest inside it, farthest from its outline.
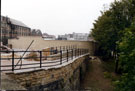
(39, 43)
(66, 78)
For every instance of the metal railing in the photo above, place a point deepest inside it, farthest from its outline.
(42, 59)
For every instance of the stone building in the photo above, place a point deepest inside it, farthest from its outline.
(20, 29)
(5, 27)
(11, 28)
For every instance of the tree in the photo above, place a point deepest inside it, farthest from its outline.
(127, 61)
(115, 32)
(108, 29)
(102, 33)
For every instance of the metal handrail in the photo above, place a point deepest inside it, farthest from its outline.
(61, 57)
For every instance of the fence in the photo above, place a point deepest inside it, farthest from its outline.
(39, 59)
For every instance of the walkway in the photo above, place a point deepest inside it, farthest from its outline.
(94, 79)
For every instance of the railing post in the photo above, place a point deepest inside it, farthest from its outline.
(40, 59)
(13, 60)
(67, 55)
(78, 52)
(72, 54)
(75, 52)
(56, 50)
(60, 47)
(81, 51)
(64, 48)
(51, 51)
(60, 56)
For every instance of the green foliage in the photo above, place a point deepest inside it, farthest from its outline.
(107, 75)
(126, 83)
(108, 29)
(102, 32)
(109, 65)
(127, 61)
(127, 50)
(115, 32)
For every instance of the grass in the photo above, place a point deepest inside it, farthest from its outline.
(109, 65)
(109, 69)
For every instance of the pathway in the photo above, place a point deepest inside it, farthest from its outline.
(94, 79)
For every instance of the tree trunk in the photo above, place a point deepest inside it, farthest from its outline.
(116, 63)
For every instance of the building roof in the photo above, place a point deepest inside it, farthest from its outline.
(16, 22)
(45, 35)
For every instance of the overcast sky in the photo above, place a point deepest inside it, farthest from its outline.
(55, 16)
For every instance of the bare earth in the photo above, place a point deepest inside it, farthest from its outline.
(94, 79)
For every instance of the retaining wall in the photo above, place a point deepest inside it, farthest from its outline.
(39, 43)
(66, 78)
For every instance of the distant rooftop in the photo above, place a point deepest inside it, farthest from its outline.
(16, 22)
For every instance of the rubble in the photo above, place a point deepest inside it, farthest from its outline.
(5, 48)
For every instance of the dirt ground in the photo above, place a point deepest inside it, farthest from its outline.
(94, 79)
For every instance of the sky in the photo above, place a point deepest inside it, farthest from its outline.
(55, 17)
